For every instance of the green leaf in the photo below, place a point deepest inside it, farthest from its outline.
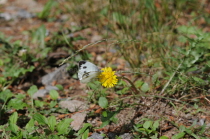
(183, 79)
(85, 126)
(208, 63)
(92, 86)
(39, 103)
(149, 4)
(13, 118)
(52, 122)
(54, 94)
(155, 77)
(60, 87)
(22, 71)
(120, 18)
(104, 113)
(147, 124)
(33, 89)
(198, 80)
(30, 125)
(3, 80)
(190, 132)
(40, 118)
(53, 103)
(38, 37)
(182, 128)
(178, 136)
(136, 128)
(123, 91)
(13, 128)
(138, 83)
(192, 69)
(56, 137)
(20, 96)
(138, 125)
(145, 87)
(85, 134)
(17, 103)
(103, 102)
(155, 125)
(63, 126)
(1, 62)
(5, 95)
(110, 117)
(105, 123)
(46, 10)
(114, 119)
(164, 137)
(149, 131)
(142, 129)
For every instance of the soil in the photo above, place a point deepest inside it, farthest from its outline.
(150, 106)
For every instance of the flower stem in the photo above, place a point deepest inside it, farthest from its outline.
(132, 85)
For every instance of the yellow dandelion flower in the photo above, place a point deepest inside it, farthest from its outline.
(107, 77)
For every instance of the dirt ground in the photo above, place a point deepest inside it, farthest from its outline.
(14, 24)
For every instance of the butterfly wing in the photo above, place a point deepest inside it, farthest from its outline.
(87, 71)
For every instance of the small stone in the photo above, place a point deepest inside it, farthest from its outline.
(24, 14)
(96, 136)
(99, 58)
(6, 16)
(201, 122)
(96, 37)
(3, 1)
(73, 105)
(126, 136)
(58, 74)
(40, 93)
(78, 120)
(49, 87)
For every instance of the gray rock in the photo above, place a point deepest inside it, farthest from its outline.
(43, 92)
(73, 105)
(201, 122)
(24, 14)
(3, 1)
(6, 16)
(58, 74)
(40, 93)
(13, 13)
(49, 87)
(78, 120)
(96, 136)
(126, 136)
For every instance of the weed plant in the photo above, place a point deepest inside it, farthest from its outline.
(164, 42)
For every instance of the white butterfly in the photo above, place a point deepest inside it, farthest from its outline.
(87, 71)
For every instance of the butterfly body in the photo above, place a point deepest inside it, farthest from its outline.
(87, 71)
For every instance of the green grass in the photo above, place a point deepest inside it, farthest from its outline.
(164, 42)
